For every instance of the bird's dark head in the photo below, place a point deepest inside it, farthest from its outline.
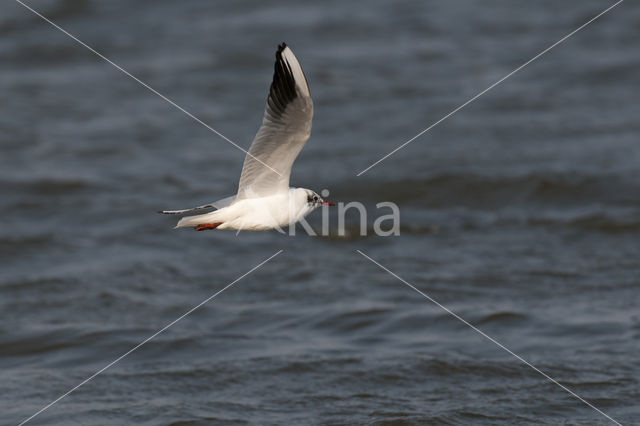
(314, 200)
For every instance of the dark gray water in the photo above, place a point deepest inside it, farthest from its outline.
(521, 213)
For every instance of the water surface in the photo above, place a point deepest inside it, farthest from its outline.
(521, 213)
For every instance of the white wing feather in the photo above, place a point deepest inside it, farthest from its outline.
(286, 126)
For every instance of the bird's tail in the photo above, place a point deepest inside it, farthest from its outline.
(192, 221)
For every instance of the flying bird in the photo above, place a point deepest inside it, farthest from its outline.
(264, 200)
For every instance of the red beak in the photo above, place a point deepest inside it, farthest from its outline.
(327, 203)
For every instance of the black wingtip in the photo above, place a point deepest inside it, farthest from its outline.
(281, 48)
(283, 86)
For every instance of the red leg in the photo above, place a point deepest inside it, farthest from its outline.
(205, 226)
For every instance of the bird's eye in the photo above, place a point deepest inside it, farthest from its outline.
(315, 198)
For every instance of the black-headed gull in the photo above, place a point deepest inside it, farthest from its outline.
(265, 200)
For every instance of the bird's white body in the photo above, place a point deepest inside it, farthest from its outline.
(257, 214)
(265, 200)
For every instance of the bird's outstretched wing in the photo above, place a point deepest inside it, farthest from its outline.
(220, 204)
(286, 126)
